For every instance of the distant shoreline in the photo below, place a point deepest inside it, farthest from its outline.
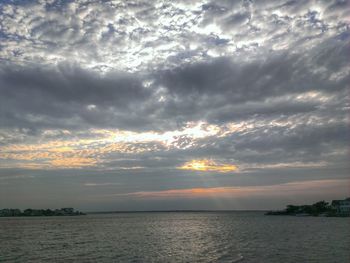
(172, 211)
(318, 209)
(11, 212)
(75, 213)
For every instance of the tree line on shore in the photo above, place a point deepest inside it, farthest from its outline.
(10, 212)
(321, 208)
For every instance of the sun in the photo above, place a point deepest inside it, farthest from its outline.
(208, 166)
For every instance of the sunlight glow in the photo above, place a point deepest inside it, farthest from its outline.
(208, 166)
(73, 162)
(277, 190)
(69, 152)
(192, 130)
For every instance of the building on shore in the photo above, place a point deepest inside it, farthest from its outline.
(342, 206)
(10, 212)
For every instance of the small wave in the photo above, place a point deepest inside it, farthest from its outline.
(238, 259)
(230, 259)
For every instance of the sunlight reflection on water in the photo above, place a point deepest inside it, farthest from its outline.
(175, 237)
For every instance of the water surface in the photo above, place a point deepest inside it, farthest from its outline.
(175, 237)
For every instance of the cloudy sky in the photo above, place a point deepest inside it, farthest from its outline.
(138, 105)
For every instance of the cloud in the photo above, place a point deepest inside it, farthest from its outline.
(73, 162)
(62, 97)
(100, 184)
(234, 192)
(68, 97)
(151, 92)
(135, 36)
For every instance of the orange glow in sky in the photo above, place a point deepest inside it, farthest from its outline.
(208, 166)
(313, 186)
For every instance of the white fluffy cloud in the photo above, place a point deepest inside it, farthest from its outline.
(132, 36)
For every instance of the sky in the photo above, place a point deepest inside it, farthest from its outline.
(163, 105)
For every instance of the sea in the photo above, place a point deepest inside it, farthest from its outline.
(175, 237)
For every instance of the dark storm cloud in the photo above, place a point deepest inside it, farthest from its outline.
(272, 76)
(268, 145)
(69, 83)
(67, 96)
(223, 86)
(219, 91)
